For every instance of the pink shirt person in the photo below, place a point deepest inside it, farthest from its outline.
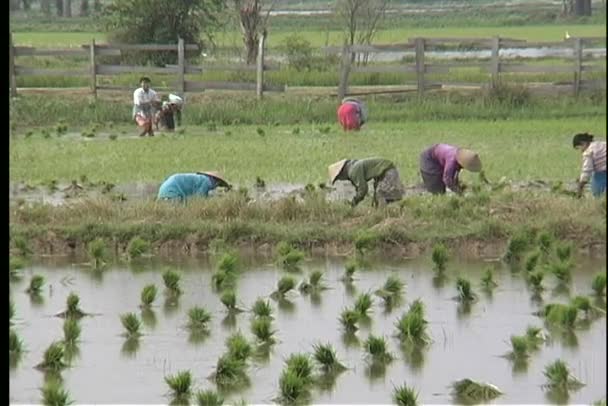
(352, 114)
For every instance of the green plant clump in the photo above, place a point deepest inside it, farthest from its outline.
(229, 371)
(487, 280)
(53, 394)
(326, 357)
(148, 295)
(465, 292)
(599, 284)
(180, 384)
(97, 251)
(262, 328)
(238, 347)
(15, 344)
(131, 323)
(198, 318)
(349, 319)
(36, 284)
(519, 346)
(262, 308)
(391, 290)
(209, 398)
(53, 358)
(285, 284)
(559, 377)
(376, 348)
(171, 280)
(293, 388)
(411, 326)
(363, 304)
(440, 257)
(469, 391)
(288, 256)
(405, 396)
(138, 247)
(71, 330)
(301, 365)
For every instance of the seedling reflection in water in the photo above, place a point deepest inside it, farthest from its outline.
(487, 280)
(405, 396)
(71, 330)
(209, 398)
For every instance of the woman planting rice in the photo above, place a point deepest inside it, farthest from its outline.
(387, 184)
(441, 164)
(182, 186)
(594, 163)
(352, 114)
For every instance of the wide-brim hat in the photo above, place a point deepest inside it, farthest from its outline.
(215, 175)
(335, 169)
(469, 160)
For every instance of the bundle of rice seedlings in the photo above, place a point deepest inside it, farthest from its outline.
(36, 284)
(561, 270)
(519, 346)
(228, 263)
(223, 280)
(72, 310)
(391, 290)
(228, 299)
(238, 347)
(465, 292)
(405, 396)
(545, 242)
(229, 371)
(53, 358)
(363, 304)
(171, 280)
(561, 315)
(148, 294)
(71, 330)
(262, 328)
(563, 251)
(349, 319)
(314, 282)
(198, 318)
(288, 256)
(470, 391)
(599, 284)
(559, 377)
(535, 279)
(53, 394)
(131, 323)
(534, 337)
(349, 270)
(285, 284)
(487, 280)
(518, 244)
(15, 344)
(262, 308)
(532, 261)
(300, 365)
(180, 384)
(209, 398)
(376, 348)
(439, 257)
(411, 327)
(326, 357)
(293, 388)
(137, 247)
(97, 251)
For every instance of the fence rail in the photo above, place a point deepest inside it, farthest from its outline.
(182, 68)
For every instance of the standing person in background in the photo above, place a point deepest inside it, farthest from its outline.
(440, 165)
(352, 114)
(594, 164)
(145, 101)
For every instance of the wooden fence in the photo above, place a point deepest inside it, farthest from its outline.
(494, 66)
(181, 85)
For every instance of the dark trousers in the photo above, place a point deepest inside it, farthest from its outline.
(433, 183)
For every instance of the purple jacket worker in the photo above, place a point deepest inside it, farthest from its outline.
(441, 164)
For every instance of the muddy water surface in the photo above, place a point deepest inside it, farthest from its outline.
(109, 369)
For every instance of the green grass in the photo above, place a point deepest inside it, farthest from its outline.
(171, 280)
(180, 384)
(262, 328)
(238, 347)
(376, 348)
(412, 326)
(325, 356)
(36, 284)
(301, 365)
(559, 376)
(148, 295)
(405, 396)
(209, 398)
(15, 343)
(53, 357)
(262, 308)
(363, 303)
(349, 319)
(229, 371)
(138, 247)
(71, 331)
(599, 284)
(508, 149)
(198, 318)
(53, 394)
(131, 323)
(293, 388)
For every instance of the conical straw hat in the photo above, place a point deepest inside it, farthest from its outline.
(215, 175)
(334, 170)
(469, 160)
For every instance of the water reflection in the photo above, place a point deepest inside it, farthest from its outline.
(439, 280)
(36, 300)
(198, 336)
(350, 339)
(413, 355)
(375, 370)
(171, 304)
(130, 347)
(72, 352)
(148, 317)
(229, 321)
(286, 305)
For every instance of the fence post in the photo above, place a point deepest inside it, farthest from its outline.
(11, 66)
(181, 66)
(93, 69)
(420, 65)
(578, 61)
(495, 66)
(344, 71)
(259, 88)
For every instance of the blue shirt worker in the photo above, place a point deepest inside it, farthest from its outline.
(182, 186)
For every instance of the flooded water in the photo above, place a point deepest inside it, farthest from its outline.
(108, 369)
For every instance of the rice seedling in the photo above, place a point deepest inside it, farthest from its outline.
(532, 260)
(72, 308)
(97, 251)
(535, 279)
(349, 319)
(288, 256)
(198, 318)
(223, 280)
(71, 330)
(314, 282)
(180, 384)
(209, 398)
(599, 284)
(229, 371)
(262, 308)
(392, 290)
(469, 391)
(376, 348)
(561, 315)
(228, 263)
(349, 270)
(53, 358)
(326, 357)
(518, 244)
(293, 388)
(519, 347)
(228, 299)
(563, 251)
(545, 242)
(53, 394)
(411, 327)
(300, 365)
(465, 292)
(137, 247)
(559, 377)
(22, 245)
(285, 284)
(405, 396)
(15, 344)
(131, 323)
(148, 295)
(534, 337)
(171, 280)
(36, 284)
(363, 304)
(439, 257)
(262, 329)
(238, 347)
(561, 270)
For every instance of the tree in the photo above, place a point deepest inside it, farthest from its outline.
(253, 25)
(361, 19)
(161, 21)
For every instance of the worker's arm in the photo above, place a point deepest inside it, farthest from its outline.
(586, 171)
(360, 185)
(450, 176)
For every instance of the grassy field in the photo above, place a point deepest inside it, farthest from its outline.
(318, 38)
(516, 149)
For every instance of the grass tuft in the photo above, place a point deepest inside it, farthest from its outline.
(228, 299)
(411, 326)
(53, 394)
(559, 377)
(293, 388)
(288, 256)
(326, 356)
(519, 346)
(209, 398)
(599, 284)
(349, 270)
(238, 347)
(392, 290)
(148, 295)
(262, 328)
(285, 284)
(72, 309)
(262, 308)
(171, 280)
(36, 284)
(349, 319)
(405, 396)
(131, 323)
(53, 358)
(563, 251)
(376, 348)
(97, 252)
(300, 365)
(465, 292)
(440, 257)
(363, 304)
(138, 247)
(71, 330)
(180, 384)
(198, 318)
(487, 280)
(15, 344)
(229, 371)
(532, 260)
